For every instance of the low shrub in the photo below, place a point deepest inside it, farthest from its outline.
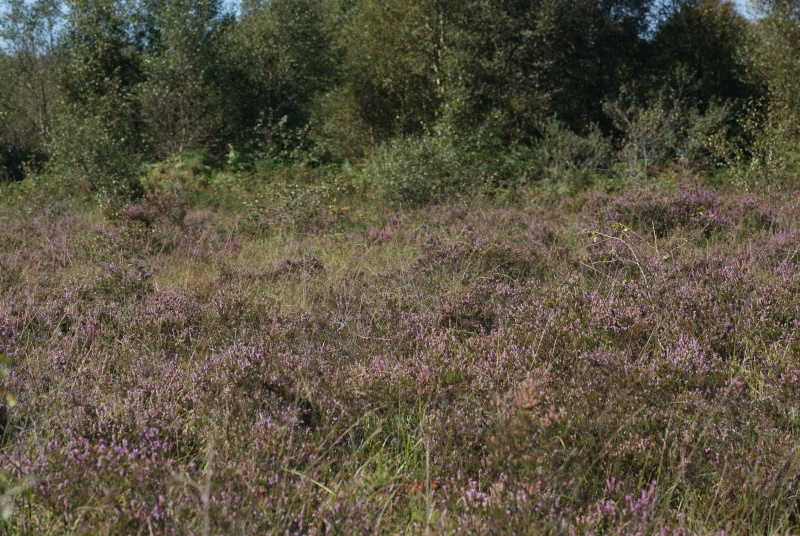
(188, 175)
(667, 130)
(302, 198)
(569, 159)
(459, 369)
(690, 207)
(423, 170)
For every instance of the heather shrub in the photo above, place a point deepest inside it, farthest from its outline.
(474, 244)
(753, 214)
(463, 369)
(10, 275)
(473, 313)
(157, 207)
(174, 321)
(693, 208)
(297, 267)
(140, 469)
(503, 315)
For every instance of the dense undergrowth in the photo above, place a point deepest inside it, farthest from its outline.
(316, 362)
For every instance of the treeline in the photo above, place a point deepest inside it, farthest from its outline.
(430, 95)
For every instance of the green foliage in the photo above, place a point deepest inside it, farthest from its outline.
(665, 129)
(705, 41)
(97, 151)
(423, 170)
(301, 198)
(40, 189)
(764, 153)
(97, 141)
(394, 64)
(99, 56)
(437, 168)
(27, 87)
(343, 130)
(563, 156)
(198, 178)
(180, 98)
(276, 60)
(526, 61)
(185, 174)
(775, 55)
(437, 96)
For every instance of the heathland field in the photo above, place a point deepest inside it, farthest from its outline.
(306, 267)
(617, 363)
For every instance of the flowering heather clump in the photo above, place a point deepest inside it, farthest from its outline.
(618, 364)
(136, 213)
(128, 478)
(691, 208)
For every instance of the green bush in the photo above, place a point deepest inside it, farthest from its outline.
(666, 129)
(301, 198)
(96, 153)
(764, 153)
(437, 168)
(562, 156)
(184, 174)
(37, 191)
(423, 170)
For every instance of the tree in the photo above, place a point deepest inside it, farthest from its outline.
(28, 31)
(180, 96)
(703, 40)
(394, 76)
(775, 55)
(278, 60)
(97, 139)
(522, 61)
(771, 130)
